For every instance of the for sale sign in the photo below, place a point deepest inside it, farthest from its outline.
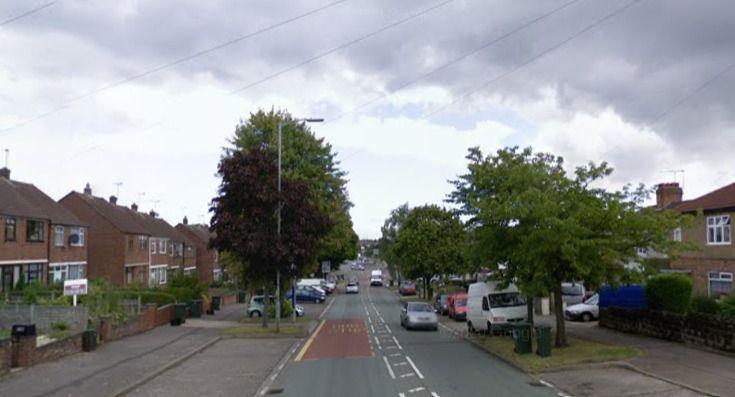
(75, 287)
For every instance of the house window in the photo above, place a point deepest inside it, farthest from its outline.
(162, 246)
(676, 234)
(720, 284)
(158, 276)
(718, 230)
(9, 229)
(77, 237)
(153, 246)
(34, 231)
(131, 243)
(59, 236)
(34, 272)
(57, 274)
(142, 243)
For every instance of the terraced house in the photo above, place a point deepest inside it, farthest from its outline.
(712, 265)
(169, 249)
(208, 267)
(41, 240)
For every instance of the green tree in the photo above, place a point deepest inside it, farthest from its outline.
(547, 227)
(389, 234)
(312, 160)
(429, 242)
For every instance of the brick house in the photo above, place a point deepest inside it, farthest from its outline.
(207, 259)
(41, 239)
(170, 250)
(118, 244)
(712, 266)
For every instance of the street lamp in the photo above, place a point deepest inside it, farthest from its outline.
(280, 206)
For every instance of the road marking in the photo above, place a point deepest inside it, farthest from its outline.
(394, 355)
(545, 383)
(415, 369)
(370, 320)
(372, 328)
(390, 370)
(433, 394)
(416, 390)
(400, 364)
(309, 341)
(391, 347)
(407, 375)
(378, 343)
(388, 328)
(397, 344)
(401, 395)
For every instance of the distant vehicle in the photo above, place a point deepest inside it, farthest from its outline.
(352, 288)
(440, 304)
(572, 293)
(490, 308)
(306, 293)
(376, 278)
(300, 311)
(416, 315)
(407, 288)
(331, 286)
(585, 311)
(256, 305)
(457, 306)
(318, 283)
(627, 297)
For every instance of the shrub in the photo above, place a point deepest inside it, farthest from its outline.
(286, 309)
(669, 292)
(182, 294)
(727, 306)
(159, 298)
(705, 304)
(59, 326)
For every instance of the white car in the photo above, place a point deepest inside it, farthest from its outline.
(585, 311)
(352, 288)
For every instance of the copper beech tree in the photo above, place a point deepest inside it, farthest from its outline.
(245, 222)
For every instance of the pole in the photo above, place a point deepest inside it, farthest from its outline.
(278, 272)
(293, 293)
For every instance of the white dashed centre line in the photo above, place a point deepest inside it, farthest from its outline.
(418, 373)
(397, 344)
(390, 370)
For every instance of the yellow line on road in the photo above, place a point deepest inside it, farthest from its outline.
(309, 341)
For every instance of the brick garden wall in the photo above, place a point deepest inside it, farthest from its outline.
(6, 356)
(44, 316)
(696, 329)
(58, 348)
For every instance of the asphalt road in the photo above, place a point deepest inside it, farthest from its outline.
(338, 360)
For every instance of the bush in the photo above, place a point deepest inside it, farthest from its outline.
(182, 294)
(669, 292)
(727, 306)
(191, 282)
(705, 304)
(59, 326)
(286, 309)
(159, 298)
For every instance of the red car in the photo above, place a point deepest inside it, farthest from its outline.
(457, 306)
(407, 288)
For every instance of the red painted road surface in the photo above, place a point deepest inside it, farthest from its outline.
(339, 339)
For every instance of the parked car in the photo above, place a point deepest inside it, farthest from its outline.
(300, 311)
(331, 285)
(306, 293)
(491, 308)
(457, 306)
(319, 283)
(256, 305)
(352, 288)
(416, 315)
(585, 311)
(440, 304)
(572, 293)
(407, 288)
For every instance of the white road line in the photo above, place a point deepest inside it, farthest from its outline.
(433, 394)
(397, 344)
(401, 395)
(370, 320)
(394, 355)
(420, 375)
(390, 370)
(388, 328)
(408, 375)
(416, 390)
(391, 347)
(372, 328)
(402, 363)
(378, 343)
(545, 383)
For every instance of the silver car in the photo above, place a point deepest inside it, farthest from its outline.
(419, 315)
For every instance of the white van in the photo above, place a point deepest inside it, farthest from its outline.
(316, 283)
(376, 278)
(492, 308)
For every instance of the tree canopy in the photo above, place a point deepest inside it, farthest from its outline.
(547, 227)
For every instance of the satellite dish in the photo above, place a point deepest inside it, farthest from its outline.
(74, 239)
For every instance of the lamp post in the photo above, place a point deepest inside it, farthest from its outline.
(280, 206)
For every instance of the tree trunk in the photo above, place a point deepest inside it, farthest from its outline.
(561, 332)
(265, 306)
(529, 309)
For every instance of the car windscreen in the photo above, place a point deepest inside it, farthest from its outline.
(419, 307)
(572, 290)
(460, 302)
(506, 299)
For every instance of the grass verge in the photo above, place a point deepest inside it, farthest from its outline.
(578, 352)
(255, 331)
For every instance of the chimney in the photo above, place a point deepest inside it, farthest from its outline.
(113, 200)
(134, 207)
(5, 172)
(667, 194)
(186, 221)
(152, 213)
(87, 190)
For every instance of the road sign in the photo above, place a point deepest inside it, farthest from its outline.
(326, 267)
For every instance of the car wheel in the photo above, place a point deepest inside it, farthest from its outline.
(255, 313)
(489, 328)
(586, 317)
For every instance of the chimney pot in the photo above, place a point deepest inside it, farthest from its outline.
(87, 190)
(667, 194)
(113, 200)
(152, 213)
(186, 221)
(5, 172)
(134, 207)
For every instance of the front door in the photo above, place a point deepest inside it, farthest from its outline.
(7, 279)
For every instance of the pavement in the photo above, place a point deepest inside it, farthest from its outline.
(171, 361)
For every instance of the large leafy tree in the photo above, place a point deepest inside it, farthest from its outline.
(389, 234)
(312, 160)
(430, 241)
(547, 227)
(244, 217)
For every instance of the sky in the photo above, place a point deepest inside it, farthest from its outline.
(138, 98)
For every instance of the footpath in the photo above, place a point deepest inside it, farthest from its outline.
(166, 361)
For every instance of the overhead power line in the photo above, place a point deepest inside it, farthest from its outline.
(170, 64)
(27, 13)
(458, 59)
(341, 46)
(534, 58)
